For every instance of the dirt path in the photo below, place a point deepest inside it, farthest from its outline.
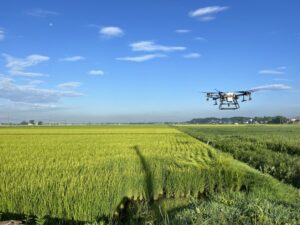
(10, 222)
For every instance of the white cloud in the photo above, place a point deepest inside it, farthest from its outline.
(41, 13)
(28, 94)
(17, 66)
(182, 31)
(207, 18)
(277, 71)
(23, 107)
(281, 68)
(271, 72)
(271, 87)
(141, 58)
(282, 79)
(26, 74)
(20, 64)
(2, 34)
(92, 25)
(69, 85)
(96, 72)
(110, 32)
(35, 82)
(193, 55)
(150, 46)
(207, 13)
(73, 58)
(200, 38)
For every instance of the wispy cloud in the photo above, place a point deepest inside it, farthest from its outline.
(111, 32)
(277, 71)
(200, 38)
(182, 31)
(69, 85)
(207, 13)
(35, 82)
(17, 66)
(92, 25)
(26, 74)
(41, 13)
(282, 79)
(150, 46)
(141, 58)
(73, 58)
(270, 71)
(281, 67)
(2, 34)
(271, 87)
(96, 72)
(27, 94)
(24, 107)
(192, 55)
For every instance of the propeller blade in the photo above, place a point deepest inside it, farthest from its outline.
(218, 91)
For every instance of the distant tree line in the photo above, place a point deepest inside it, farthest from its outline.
(248, 120)
(31, 122)
(272, 120)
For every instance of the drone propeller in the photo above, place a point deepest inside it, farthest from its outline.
(243, 92)
(218, 91)
(254, 90)
(210, 92)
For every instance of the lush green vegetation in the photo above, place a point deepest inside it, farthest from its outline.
(133, 174)
(272, 149)
(236, 208)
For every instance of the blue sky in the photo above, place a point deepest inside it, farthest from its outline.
(140, 61)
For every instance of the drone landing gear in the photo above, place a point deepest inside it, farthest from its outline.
(224, 105)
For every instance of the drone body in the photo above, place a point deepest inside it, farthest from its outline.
(228, 100)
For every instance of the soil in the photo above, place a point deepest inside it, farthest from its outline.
(11, 222)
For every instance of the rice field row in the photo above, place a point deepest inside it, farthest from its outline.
(272, 149)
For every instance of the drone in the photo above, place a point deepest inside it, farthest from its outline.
(228, 100)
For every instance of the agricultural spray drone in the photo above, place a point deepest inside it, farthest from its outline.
(228, 100)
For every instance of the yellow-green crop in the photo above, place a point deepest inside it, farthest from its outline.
(82, 173)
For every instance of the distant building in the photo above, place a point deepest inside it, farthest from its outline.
(294, 121)
(31, 122)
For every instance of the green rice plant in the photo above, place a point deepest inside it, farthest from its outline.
(270, 149)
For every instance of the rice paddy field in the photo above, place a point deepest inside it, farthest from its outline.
(272, 149)
(149, 174)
